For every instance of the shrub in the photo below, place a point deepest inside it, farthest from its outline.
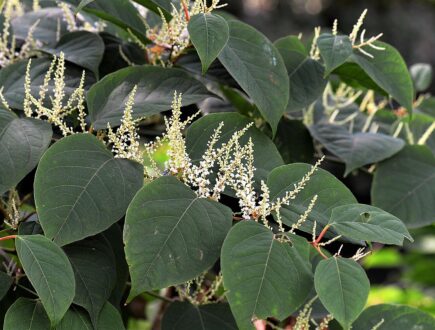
(216, 212)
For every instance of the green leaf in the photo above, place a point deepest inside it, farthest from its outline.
(185, 316)
(394, 317)
(288, 132)
(389, 71)
(263, 276)
(209, 34)
(357, 149)
(75, 319)
(51, 23)
(266, 156)
(184, 234)
(22, 143)
(26, 314)
(94, 268)
(334, 49)
(156, 86)
(82, 4)
(368, 223)
(83, 48)
(421, 74)
(305, 74)
(343, 288)
(331, 193)
(5, 284)
(81, 189)
(122, 13)
(404, 185)
(12, 79)
(110, 318)
(256, 65)
(164, 5)
(50, 272)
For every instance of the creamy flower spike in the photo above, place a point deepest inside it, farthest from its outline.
(60, 107)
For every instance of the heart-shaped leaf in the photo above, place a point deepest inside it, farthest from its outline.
(394, 317)
(209, 34)
(94, 268)
(185, 316)
(22, 143)
(389, 71)
(305, 74)
(264, 276)
(184, 234)
(357, 149)
(155, 91)
(334, 49)
(343, 288)
(368, 223)
(26, 314)
(404, 185)
(83, 48)
(81, 189)
(50, 272)
(331, 193)
(51, 25)
(258, 68)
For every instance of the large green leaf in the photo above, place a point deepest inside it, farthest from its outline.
(22, 143)
(394, 317)
(185, 316)
(305, 74)
(404, 185)
(343, 288)
(94, 268)
(334, 49)
(368, 223)
(330, 191)
(110, 318)
(50, 272)
(263, 276)
(257, 66)
(26, 314)
(266, 156)
(12, 79)
(83, 48)
(388, 69)
(51, 24)
(81, 189)
(357, 149)
(156, 85)
(75, 319)
(209, 34)
(183, 234)
(119, 12)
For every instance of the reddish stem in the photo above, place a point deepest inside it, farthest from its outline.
(186, 10)
(8, 237)
(322, 233)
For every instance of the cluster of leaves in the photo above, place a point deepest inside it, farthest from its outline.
(92, 229)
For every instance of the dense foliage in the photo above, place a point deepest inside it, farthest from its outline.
(115, 189)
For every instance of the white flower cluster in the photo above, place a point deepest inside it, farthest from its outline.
(8, 52)
(125, 142)
(77, 22)
(59, 110)
(229, 165)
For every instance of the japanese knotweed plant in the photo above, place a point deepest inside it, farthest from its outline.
(123, 183)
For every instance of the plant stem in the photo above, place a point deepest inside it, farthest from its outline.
(5, 238)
